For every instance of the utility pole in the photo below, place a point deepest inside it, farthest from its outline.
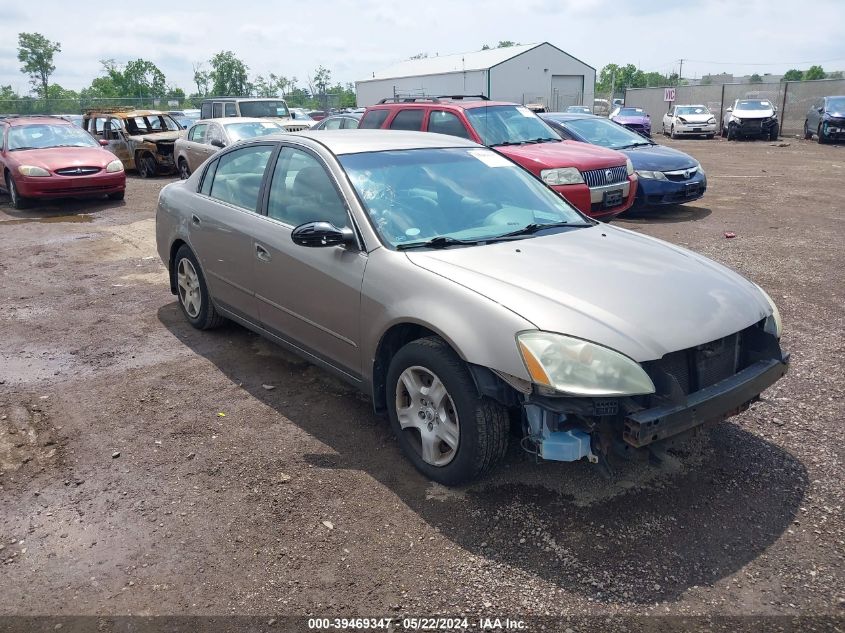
(612, 87)
(681, 72)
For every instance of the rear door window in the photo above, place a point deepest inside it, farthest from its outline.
(442, 122)
(410, 119)
(373, 119)
(238, 177)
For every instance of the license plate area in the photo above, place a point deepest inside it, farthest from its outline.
(691, 189)
(612, 198)
(696, 129)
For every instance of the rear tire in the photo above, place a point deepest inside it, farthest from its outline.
(184, 170)
(192, 291)
(15, 199)
(476, 426)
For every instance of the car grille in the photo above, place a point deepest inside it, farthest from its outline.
(681, 174)
(77, 171)
(686, 371)
(602, 177)
(636, 127)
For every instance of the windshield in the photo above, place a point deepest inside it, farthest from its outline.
(579, 109)
(754, 105)
(150, 123)
(413, 196)
(239, 131)
(836, 104)
(46, 135)
(264, 108)
(509, 125)
(605, 133)
(682, 110)
(631, 112)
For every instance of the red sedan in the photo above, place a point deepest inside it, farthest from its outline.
(48, 157)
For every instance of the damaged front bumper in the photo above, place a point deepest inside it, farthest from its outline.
(694, 387)
(711, 404)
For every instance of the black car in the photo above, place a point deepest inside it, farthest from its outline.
(826, 118)
(666, 176)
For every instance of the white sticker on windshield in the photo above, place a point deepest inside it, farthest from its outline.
(268, 124)
(489, 158)
(524, 111)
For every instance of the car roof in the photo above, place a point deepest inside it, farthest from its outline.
(567, 116)
(125, 114)
(236, 119)
(359, 141)
(34, 119)
(443, 101)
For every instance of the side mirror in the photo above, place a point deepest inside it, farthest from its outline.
(318, 234)
(218, 143)
(820, 109)
(104, 142)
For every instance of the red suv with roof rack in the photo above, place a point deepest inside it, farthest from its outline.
(599, 182)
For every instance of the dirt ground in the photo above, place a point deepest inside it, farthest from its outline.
(147, 468)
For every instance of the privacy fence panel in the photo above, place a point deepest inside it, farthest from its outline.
(792, 99)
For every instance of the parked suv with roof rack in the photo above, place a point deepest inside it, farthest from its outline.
(599, 182)
(219, 107)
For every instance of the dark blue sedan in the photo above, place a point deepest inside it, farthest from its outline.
(666, 175)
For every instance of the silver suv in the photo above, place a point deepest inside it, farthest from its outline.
(277, 109)
(460, 293)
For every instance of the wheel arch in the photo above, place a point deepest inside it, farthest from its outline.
(171, 261)
(487, 383)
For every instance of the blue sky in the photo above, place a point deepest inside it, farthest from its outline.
(353, 39)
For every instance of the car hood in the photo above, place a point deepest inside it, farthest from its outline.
(537, 156)
(159, 136)
(59, 157)
(836, 115)
(695, 118)
(753, 114)
(631, 119)
(658, 158)
(632, 293)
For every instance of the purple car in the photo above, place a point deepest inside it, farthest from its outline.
(635, 119)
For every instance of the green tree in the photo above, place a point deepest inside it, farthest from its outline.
(755, 79)
(8, 99)
(506, 44)
(793, 74)
(36, 53)
(485, 47)
(419, 56)
(814, 72)
(144, 79)
(228, 75)
(202, 79)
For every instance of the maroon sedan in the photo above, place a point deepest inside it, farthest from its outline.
(49, 157)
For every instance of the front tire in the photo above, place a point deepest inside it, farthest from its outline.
(146, 165)
(448, 432)
(672, 132)
(194, 298)
(732, 133)
(117, 195)
(822, 138)
(16, 200)
(773, 134)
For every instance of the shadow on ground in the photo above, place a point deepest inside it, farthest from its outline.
(649, 534)
(665, 215)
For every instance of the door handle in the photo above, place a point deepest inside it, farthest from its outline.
(195, 220)
(262, 253)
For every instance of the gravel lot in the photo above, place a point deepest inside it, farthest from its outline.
(147, 468)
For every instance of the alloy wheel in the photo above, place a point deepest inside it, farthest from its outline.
(427, 413)
(189, 287)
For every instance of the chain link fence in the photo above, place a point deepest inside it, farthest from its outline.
(792, 98)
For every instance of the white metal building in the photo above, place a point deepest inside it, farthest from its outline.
(529, 73)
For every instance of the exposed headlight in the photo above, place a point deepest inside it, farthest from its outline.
(114, 166)
(580, 368)
(711, 120)
(32, 170)
(773, 325)
(654, 175)
(700, 168)
(629, 166)
(562, 176)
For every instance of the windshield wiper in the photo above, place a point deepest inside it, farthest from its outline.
(545, 139)
(14, 149)
(441, 241)
(530, 229)
(629, 146)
